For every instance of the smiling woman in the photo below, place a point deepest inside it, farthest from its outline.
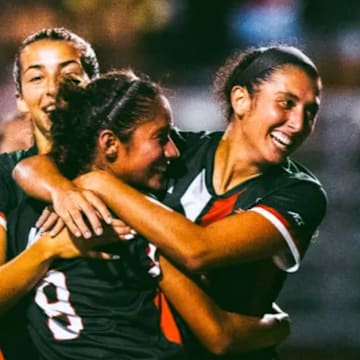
(45, 63)
(245, 212)
(252, 210)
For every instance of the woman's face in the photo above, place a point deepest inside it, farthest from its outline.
(282, 115)
(143, 161)
(44, 64)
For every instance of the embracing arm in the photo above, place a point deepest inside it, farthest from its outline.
(218, 330)
(242, 237)
(20, 275)
(39, 177)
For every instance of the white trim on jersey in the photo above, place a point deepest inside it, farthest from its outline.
(282, 260)
(3, 221)
(195, 197)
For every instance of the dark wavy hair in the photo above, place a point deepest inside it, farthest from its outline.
(254, 66)
(118, 100)
(88, 57)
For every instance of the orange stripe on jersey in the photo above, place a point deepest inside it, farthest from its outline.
(167, 321)
(284, 222)
(220, 209)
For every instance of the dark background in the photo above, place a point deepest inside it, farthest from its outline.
(181, 43)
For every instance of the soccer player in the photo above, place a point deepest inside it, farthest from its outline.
(85, 307)
(44, 59)
(250, 210)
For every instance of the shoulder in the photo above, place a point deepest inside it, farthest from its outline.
(297, 176)
(196, 152)
(9, 160)
(189, 140)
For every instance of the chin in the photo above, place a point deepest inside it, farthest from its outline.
(156, 183)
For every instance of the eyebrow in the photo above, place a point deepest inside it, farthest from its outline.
(296, 97)
(62, 65)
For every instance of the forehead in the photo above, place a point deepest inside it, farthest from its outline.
(49, 53)
(293, 80)
(161, 120)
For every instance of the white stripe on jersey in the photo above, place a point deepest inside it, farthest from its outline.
(3, 222)
(282, 260)
(196, 197)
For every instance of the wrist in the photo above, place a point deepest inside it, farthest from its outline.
(45, 248)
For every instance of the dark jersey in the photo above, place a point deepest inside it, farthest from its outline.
(289, 196)
(10, 193)
(14, 339)
(92, 308)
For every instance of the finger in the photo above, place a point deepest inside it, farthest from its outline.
(57, 228)
(120, 228)
(102, 255)
(49, 223)
(73, 228)
(43, 217)
(128, 236)
(88, 211)
(99, 206)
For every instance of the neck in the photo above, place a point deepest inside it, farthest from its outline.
(42, 142)
(232, 165)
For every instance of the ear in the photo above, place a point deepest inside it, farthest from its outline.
(240, 100)
(109, 144)
(20, 103)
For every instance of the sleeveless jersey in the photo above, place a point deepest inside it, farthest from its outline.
(288, 195)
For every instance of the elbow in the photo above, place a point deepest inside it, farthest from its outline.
(194, 261)
(220, 343)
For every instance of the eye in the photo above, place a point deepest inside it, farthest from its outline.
(35, 78)
(163, 139)
(287, 104)
(73, 79)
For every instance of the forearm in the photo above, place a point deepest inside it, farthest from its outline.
(128, 203)
(39, 177)
(21, 274)
(242, 237)
(219, 331)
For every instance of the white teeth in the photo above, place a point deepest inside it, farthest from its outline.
(281, 138)
(49, 108)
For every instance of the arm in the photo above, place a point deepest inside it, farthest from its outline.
(246, 236)
(219, 331)
(22, 273)
(40, 178)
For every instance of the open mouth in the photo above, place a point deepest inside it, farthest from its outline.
(281, 140)
(49, 108)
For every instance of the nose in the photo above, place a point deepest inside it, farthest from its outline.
(296, 120)
(170, 150)
(52, 86)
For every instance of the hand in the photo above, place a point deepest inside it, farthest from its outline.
(64, 245)
(123, 231)
(49, 221)
(75, 205)
(279, 320)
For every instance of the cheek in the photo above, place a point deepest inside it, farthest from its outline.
(146, 156)
(31, 97)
